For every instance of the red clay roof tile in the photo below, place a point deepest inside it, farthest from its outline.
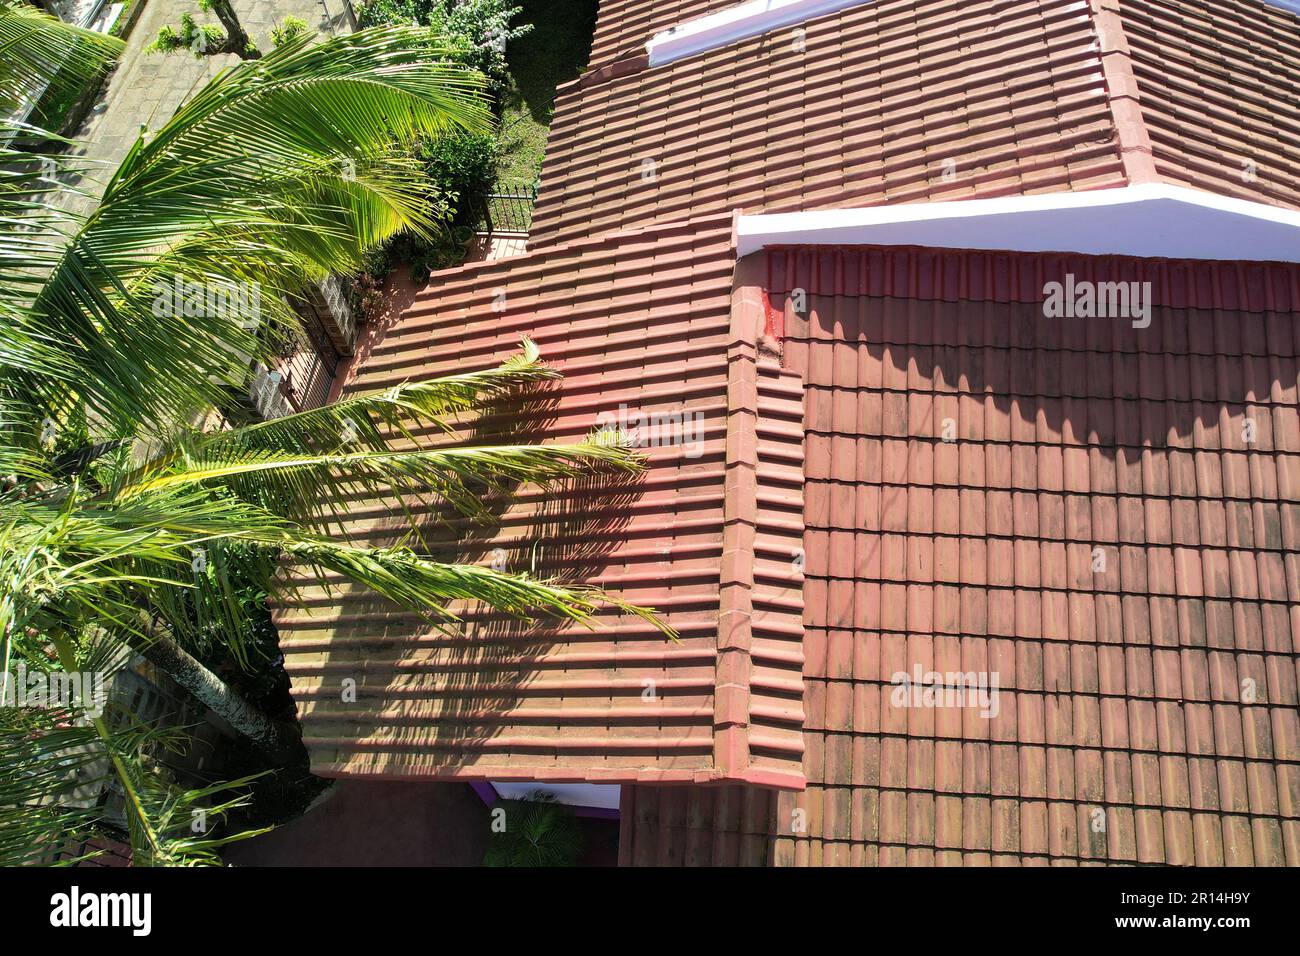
(1093, 528)
(636, 319)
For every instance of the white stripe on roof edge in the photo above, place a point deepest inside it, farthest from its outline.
(736, 23)
(1149, 220)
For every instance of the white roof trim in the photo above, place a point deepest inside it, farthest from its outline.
(1152, 220)
(735, 23)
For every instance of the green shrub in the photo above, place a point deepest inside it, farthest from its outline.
(461, 167)
(199, 39)
(289, 28)
(383, 12)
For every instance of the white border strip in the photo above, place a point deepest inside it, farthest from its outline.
(735, 23)
(1148, 220)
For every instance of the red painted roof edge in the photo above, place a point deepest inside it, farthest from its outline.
(614, 70)
(504, 774)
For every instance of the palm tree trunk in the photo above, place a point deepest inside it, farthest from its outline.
(236, 38)
(277, 739)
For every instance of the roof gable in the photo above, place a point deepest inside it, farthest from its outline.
(1152, 220)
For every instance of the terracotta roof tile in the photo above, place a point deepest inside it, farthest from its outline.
(637, 319)
(1072, 506)
(1219, 91)
(624, 26)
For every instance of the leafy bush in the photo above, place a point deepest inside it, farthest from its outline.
(288, 29)
(199, 39)
(380, 12)
(538, 832)
(477, 30)
(460, 168)
(443, 251)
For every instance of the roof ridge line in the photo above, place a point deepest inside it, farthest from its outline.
(1122, 93)
(731, 702)
(607, 72)
(747, 350)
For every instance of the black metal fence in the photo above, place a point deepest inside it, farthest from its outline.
(507, 208)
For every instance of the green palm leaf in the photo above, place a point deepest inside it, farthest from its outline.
(37, 49)
(280, 171)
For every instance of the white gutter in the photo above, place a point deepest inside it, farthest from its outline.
(735, 23)
(1148, 220)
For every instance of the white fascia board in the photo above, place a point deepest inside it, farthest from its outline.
(735, 23)
(1152, 220)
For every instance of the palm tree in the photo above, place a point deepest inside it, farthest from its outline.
(279, 172)
(538, 831)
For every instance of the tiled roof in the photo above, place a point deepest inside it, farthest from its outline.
(685, 826)
(636, 319)
(624, 26)
(1148, 704)
(904, 101)
(1220, 93)
(1148, 710)
(895, 101)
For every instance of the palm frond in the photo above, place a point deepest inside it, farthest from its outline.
(370, 421)
(310, 487)
(56, 762)
(427, 586)
(37, 49)
(537, 832)
(377, 422)
(291, 157)
(48, 763)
